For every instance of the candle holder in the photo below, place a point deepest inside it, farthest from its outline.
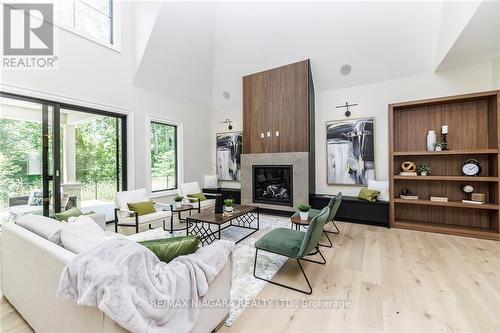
(444, 137)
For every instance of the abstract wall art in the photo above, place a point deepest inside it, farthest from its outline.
(229, 147)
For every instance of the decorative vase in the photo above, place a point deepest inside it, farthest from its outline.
(438, 148)
(431, 140)
(228, 209)
(423, 173)
(304, 215)
(218, 204)
(178, 204)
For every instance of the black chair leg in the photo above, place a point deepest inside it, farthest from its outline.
(334, 232)
(314, 261)
(307, 292)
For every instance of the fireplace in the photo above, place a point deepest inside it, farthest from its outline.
(272, 184)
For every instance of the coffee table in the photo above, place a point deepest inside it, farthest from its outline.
(208, 225)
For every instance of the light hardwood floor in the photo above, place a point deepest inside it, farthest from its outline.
(395, 281)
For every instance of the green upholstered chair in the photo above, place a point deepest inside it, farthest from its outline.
(334, 205)
(294, 244)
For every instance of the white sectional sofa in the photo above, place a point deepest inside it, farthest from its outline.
(31, 267)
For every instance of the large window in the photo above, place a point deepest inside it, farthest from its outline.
(164, 157)
(91, 18)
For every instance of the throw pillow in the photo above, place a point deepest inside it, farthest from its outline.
(42, 226)
(64, 216)
(168, 249)
(382, 186)
(35, 198)
(369, 195)
(82, 234)
(195, 196)
(142, 208)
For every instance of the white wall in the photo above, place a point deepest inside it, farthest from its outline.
(373, 100)
(89, 72)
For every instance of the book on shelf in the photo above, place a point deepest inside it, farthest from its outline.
(473, 202)
(409, 197)
(408, 173)
(439, 199)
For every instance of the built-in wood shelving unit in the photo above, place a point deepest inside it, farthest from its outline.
(473, 121)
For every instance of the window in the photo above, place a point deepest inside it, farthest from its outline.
(164, 156)
(91, 18)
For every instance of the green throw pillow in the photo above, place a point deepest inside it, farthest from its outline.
(196, 196)
(64, 216)
(369, 195)
(167, 249)
(142, 208)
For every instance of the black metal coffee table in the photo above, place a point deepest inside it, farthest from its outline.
(201, 224)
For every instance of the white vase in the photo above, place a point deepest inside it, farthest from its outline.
(438, 148)
(178, 204)
(304, 215)
(431, 140)
(228, 209)
(423, 174)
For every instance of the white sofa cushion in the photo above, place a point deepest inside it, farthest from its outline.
(125, 197)
(151, 234)
(382, 186)
(204, 203)
(83, 234)
(45, 227)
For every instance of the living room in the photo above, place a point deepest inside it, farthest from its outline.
(288, 166)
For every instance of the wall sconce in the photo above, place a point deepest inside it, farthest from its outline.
(228, 121)
(347, 112)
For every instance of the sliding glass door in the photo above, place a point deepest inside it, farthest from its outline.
(56, 156)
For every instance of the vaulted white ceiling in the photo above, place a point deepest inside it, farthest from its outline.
(196, 51)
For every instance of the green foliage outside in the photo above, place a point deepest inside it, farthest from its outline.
(163, 157)
(95, 158)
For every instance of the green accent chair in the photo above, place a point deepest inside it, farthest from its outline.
(334, 205)
(294, 244)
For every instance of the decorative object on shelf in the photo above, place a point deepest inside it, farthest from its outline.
(472, 167)
(441, 145)
(347, 112)
(350, 151)
(444, 136)
(431, 140)
(468, 189)
(229, 122)
(478, 197)
(304, 211)
(439, 199)
(228, 150)
(228, 205)
(408, 195)
(423, 169)
(408, 169)
(178, 201)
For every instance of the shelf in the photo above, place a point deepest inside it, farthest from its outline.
(448, 178)
(427, 202)
(447, 229)
(447, 152)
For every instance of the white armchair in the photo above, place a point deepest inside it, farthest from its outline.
(126, 218)
(193, 188)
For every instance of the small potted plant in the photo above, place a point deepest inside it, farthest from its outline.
(178, 201)
(441, 145)
(304, 211)
(228, 205)
(423, 169)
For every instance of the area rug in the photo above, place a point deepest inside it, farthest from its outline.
(245, 287)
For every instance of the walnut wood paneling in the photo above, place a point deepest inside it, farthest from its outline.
(277, 100)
